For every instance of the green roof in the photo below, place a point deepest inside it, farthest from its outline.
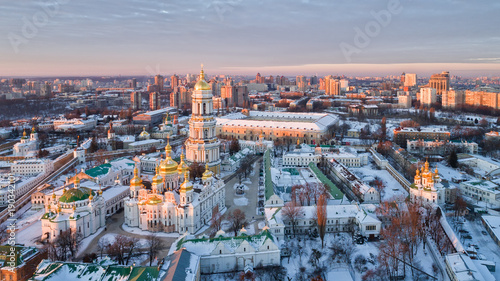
(334, 191)
(73, 195)
(104, 168)
(99, 170)
(268, 181)
(5, 251)
(94, 272)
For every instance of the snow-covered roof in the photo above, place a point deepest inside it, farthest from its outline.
(62, 271)
(205, 246)
(180, 266)
(463, 267)
(291, 121)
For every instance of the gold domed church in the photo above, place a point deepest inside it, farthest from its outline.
(427, 186)
(78, 208)
(174, 203)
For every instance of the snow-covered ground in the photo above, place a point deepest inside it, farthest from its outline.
(29, 227)
(242, 201)
(487, 247)
(392, 187)
(86, 241)
(448, 173)
(136, 230)
(29, 235)
(109, 238)
(300, 259)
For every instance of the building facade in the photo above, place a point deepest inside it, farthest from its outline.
(27, 146)
(78, 208)
(427, 187)
(203, 146)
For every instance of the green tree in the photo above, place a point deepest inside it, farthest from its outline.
(234, 146)
(453, 159)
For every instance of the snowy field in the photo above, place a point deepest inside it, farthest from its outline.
(302, 263)
(110, 239)
(448, 173)
(392, 187)
(29, 227)
(139, 231)
(242, 201)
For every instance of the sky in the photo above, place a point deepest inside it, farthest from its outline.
(286, 37)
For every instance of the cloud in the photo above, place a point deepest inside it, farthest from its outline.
(230, 33)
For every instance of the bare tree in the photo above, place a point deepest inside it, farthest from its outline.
(215, 221)
(292, 211)
(68, 243)
(237, 220)
(246, 166)
(321, 215)
(123, 249)
(102, 244)
(154, 245)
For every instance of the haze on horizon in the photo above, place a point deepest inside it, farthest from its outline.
(146, 37)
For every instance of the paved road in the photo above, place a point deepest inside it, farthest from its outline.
(251, 194)
(113, 225)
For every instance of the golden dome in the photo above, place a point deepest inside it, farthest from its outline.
(157, 179)
(202, 85)
(168, 148)
(186, 185)
(100, 191)
(183, 167)
(154, 200)
(136, 180)
(74, 207)
(207, 174)
(144, 133)
(169, 166)
(53, 195)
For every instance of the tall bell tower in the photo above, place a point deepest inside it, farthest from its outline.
(203, 145)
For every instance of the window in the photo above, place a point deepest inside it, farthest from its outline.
(371, 227)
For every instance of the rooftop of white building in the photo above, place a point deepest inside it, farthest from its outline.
(464, 268)
(291, 121)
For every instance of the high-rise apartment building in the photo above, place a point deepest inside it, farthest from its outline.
(301, 82)
(410, 80)
(135, 100)
(344, 84)
(452, 99)
(154, 101)
(482, 99)
(440, 82)
(159, 81)
(174, 81)
(332, 86)
(427, 96)
(46, 90)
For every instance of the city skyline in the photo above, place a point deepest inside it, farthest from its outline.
(132, 37)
